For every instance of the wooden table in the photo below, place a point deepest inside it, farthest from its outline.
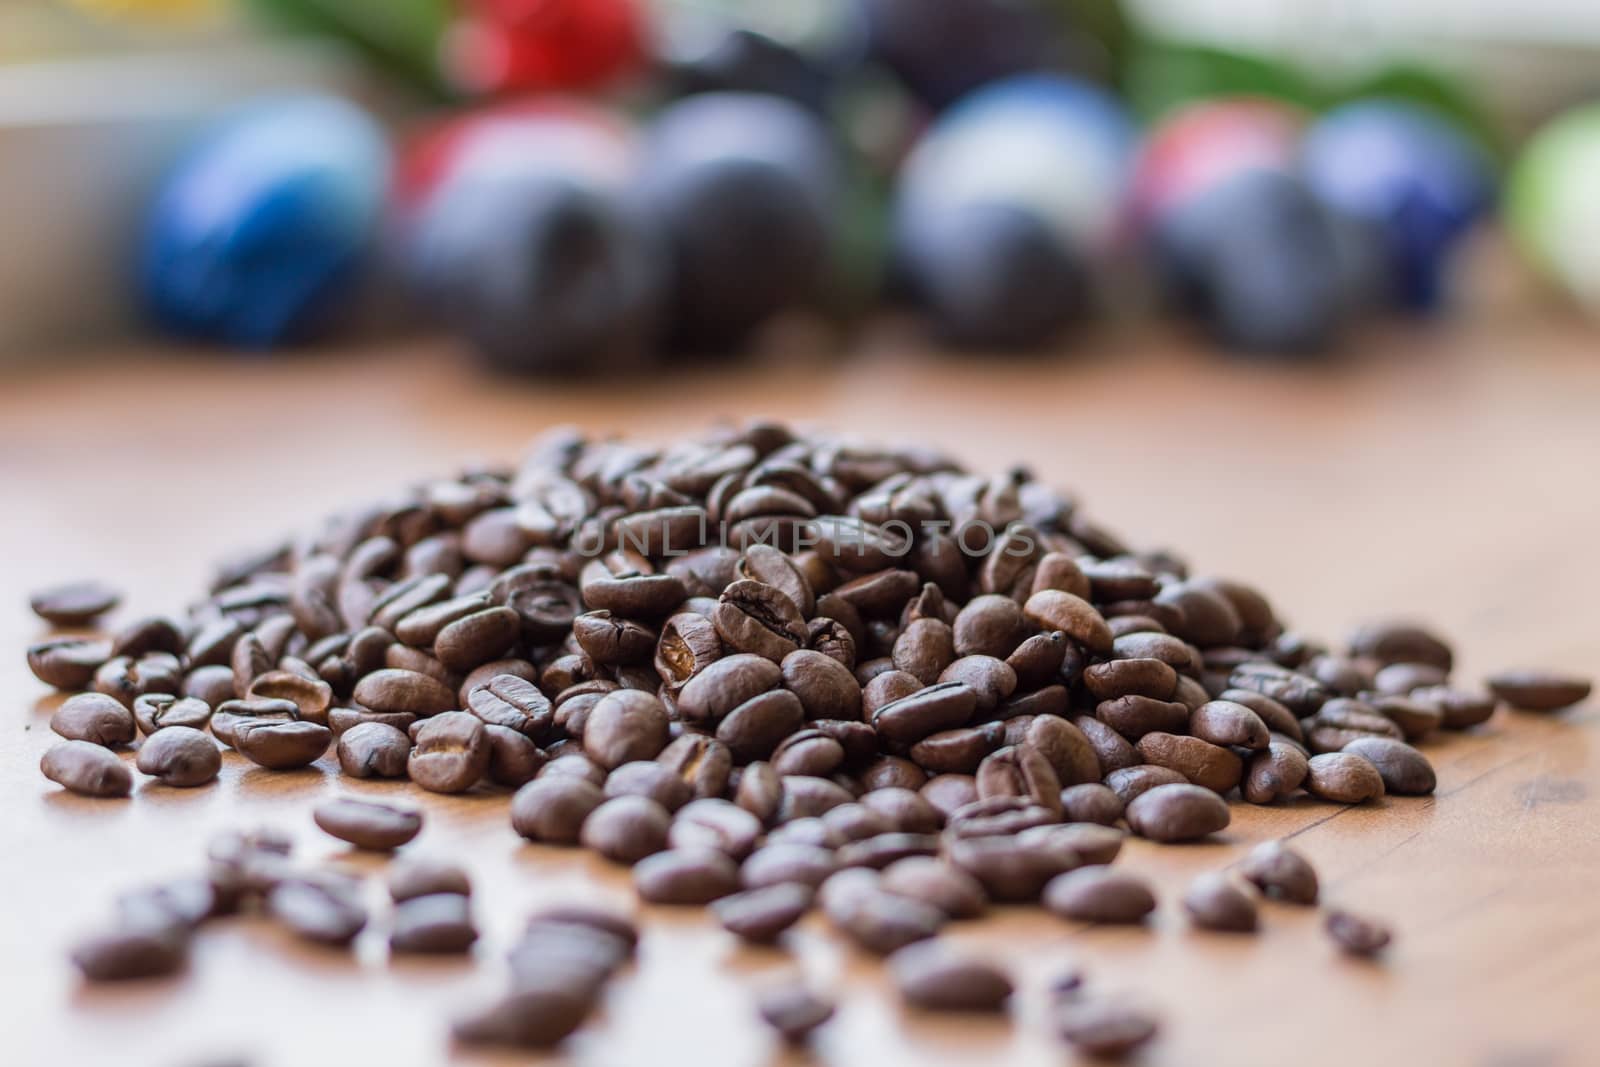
(1451, 474)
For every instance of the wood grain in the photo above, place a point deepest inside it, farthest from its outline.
(1448, 474)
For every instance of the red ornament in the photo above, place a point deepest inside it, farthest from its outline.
(509, 45)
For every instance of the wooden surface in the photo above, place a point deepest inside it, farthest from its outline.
(1450, 474)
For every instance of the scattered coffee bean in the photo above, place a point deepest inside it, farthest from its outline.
(933, 881)
(368, 823)
(1536, 690)
(761, 915)
(1343, 778)
(1091, 802)
(626, 829)
(68, 663)
(1280, 873)
(552, 808)
(1275, 773)
(1220, 902)
(321, 908)
(373, 750)
(537, 1016)
(95, 718)
(1357, 935)
(435, 924)
(422, 877)
(451, 753)
(87, 769)
(130, 952)
(686, 876)
(1099, 894)
(180, 756)
(1405, 771)
(74, 603)
(935, 977)
(1177, 812)
(155, 711)
(794, 1012)
(1103, 1029)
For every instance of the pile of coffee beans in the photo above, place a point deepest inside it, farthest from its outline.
(772, 672)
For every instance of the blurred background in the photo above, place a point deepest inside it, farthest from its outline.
(580, 187)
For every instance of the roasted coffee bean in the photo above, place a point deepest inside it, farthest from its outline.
(1177, 812)
(153, 711)
(1220, 902)
(787, 861)
(1135, 716)
(1275, 773)
(1011, 868)
(513, 759)
(311, 697)
(538, 1016)
(992, 679)
(810, 752)
(1222, 722)
(704, 763)
(651, 779)
(1398, 679)
(903, 809)
(1099, 894)
(373, 750)
(232, 714)
(794, 1012)
(1357, 935)
(74, 603)
(1303, 696)
(753, 729)
(935, 977)
(1280, 873)
(1092, 843)
(450, 753)
(1277, 718)
(552, 808)
(1052, 609)
(477, 638)
(826, 689)
(129, 952)
(990, 625)
(1395, 641)
(68, 663)
(1201, 762)
(804, 797)
(320, 908)
(688, 644)
(724, 685)
(1343, 778)
(1020, 771)
(368, 824)
(1539, 690)
(513, 702)
(755, 618)
(924, 649)
(1149, 678)
(435, 924)
(412, 878)
(997, 816)
(1103, 1029)
(1459, 709)
(184, 904)
(1038, 660)
(686, 876)
(716, 824)
(1112, 751)
(1091, 802)
(180, 756)
(759, 791)
(943, 706)
(1405, 771)
(392, 690)
(141, 637)
(626, 829)
(762, 915)
(880, 850)
(1415, 718)
(881, 922)
(933, 881)
(212, 685)
(1131, 782)
(958, 751)
(87, 769)
(279, 745)
(94, 717)
(625, 725)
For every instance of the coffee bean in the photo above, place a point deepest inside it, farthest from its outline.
(1459, 709)
(779, 862)
(392, 690)
(1177, 812)
(1135, 716)
(625, 725)
(1201, 762)
(903, 809)
(153, 711)
(935, 977)
(1398, 641)
(435, 924)
(1539, 690)
(373, 750)
(651, 779)
(686, 876)
(1103, 1029)
(703, 763)
(1280, 873)
(1148, 678)
(1223, 722)
(180, 756)
(130, 952)
(153, 633)
(942, 706)
(450, 754)
(74, 603)
(1020, 771)
(826, 689)
(552, 808)
(1343, 778)
(1091, 802)
(753, 730)
(1130, 782)
(989, 626)
(1398, 679)
(68, 663)
(724, 685)
(794, 1012)
(95, 718)
(280, 745)
(688, 644)
(87, 769)
(1100, 895)
(1278, 719)
(924, 649)
(182, 905)
(531, 1017)
(1357, 935)
(933, 881)
(1052, 609)
(1300, 694)
(320, 908)
(1038, 659)
(368, 824)
(477, 638)
(513, 702)
(716, 824)
(762, 915)
(1404, 770)
(1275, 773)
(626, 829)
(881, 922)
(1112, 751)
(513, 759)
(804, 797)
(421, 877)
(1011, 869)
(755, 618)
(1220, 902)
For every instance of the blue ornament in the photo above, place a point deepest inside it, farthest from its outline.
(1003, 208)
(1416, 177)
(262, 226)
